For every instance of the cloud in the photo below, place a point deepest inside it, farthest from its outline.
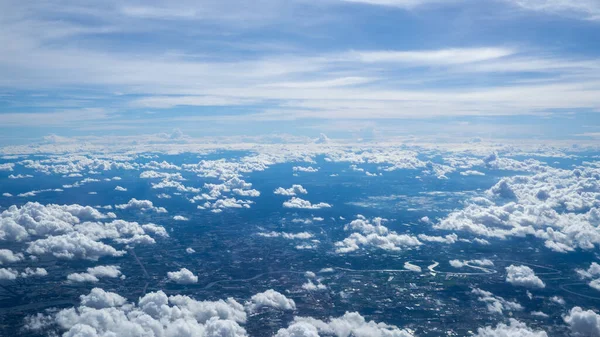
(7, 167)
(583, 322)
(310, 286)
(523, 276)
(549, 205)
(350, 324)
(433, 57)
(183, 276)
(12, 274)
(290, 236)
(142, 205)
(496, 304)
(292, 191)
(93, 274)
(7, 256)
(412, 267)
(71, 231)
(584, 9)
(305, 169)
(513, 329)
(271, 299)
(104, 313)
(480, 263)
(120, 189)
(296, 202)
(372, 234)
(180, 218)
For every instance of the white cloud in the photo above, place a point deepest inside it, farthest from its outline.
(296, 202)
(584, 9)
(70, 231)
(180, 218)
(183, 276)
(93, 274)
(120, 189)
(548, 205)
(523, 276)
(7, 167)
(472, 173)
(290, 236)
(583, 322)
(7, 256)
(412, 267)
(190, 250)
(310, 286)
(142, 205)
(350, 324)
(496, 304)
(480, 263)
(292, 191)
(20, 176)
(373, 234)
(434, 57)
(513, 329)
(271, 299)
(154, 314)
(305, 169)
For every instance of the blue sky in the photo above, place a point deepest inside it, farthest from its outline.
(381, 68)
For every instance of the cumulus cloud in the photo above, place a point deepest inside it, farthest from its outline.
(513, 329)
(7, 256)
(183, 276)
(558, 206)
(310, 286)
(70, 231)
(120, 189)
(296, 202)
(523, 276)
(12, 274)
(103, 313)
(479, 263)
(180, 218)
(95, 273)
(141, 205)
(583, 322)
(373, 234)
(305, 169)
(350, 324)
(292, 191)
(496, 304)
(271, 299)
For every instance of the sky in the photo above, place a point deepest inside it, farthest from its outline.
(375, 69)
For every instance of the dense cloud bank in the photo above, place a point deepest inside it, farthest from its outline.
(71, 231)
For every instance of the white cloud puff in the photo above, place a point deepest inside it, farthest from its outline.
(120, 189)
(496, 304)
(141, 205)
(95, 273)
(412, 267)
(103, 313)
(583, 322)
(350, 324)
(513, 329)
(296, 202)
(292, 191)
(374, 234)
(180, 218)
(7, 256)
(271, 299)
(183, 276)
(561, 207)
(523, 276)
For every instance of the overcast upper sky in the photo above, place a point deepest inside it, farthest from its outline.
(348, 68)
